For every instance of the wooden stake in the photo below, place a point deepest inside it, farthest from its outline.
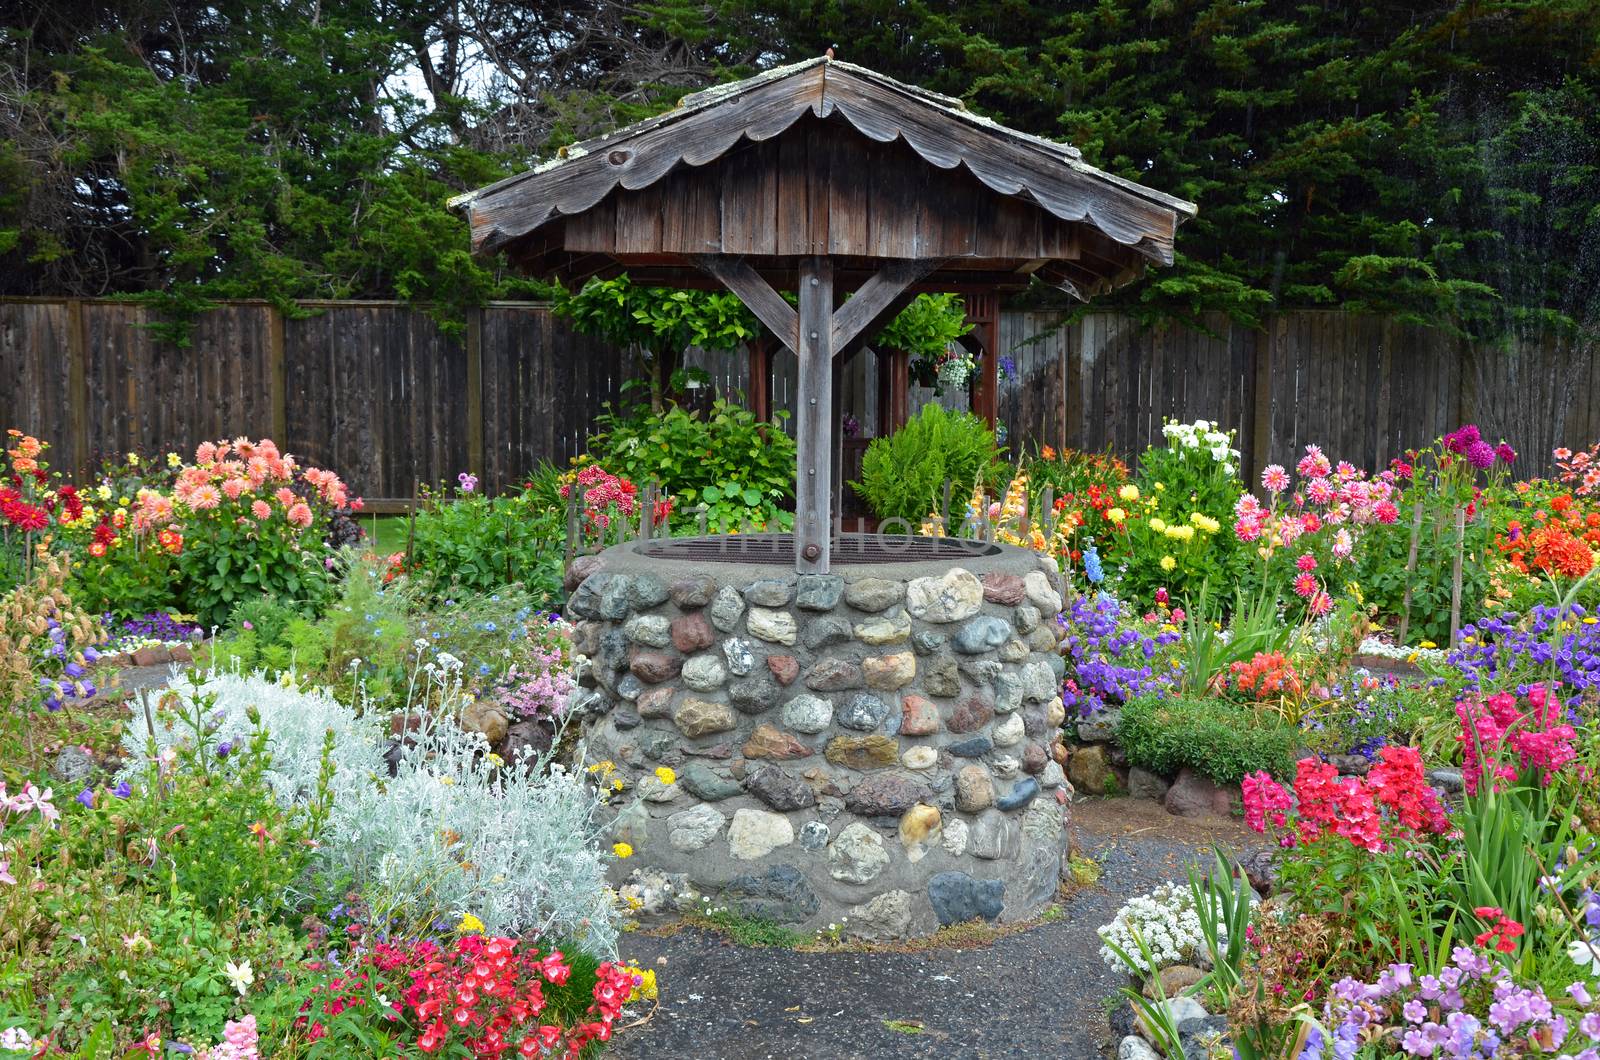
(1455, 578)
(1411, 570)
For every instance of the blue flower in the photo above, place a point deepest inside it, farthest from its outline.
(86, 798)
(122, 790)
(1091, 566)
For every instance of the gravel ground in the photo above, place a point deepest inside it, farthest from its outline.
(1037, 992)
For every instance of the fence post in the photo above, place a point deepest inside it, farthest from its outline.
(277, 377)
(475, 397)
(1261, 397)
(78, 385)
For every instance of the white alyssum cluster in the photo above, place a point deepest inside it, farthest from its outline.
(1206, 436)
(1165, 919)
(1385, 650)
(451, 832)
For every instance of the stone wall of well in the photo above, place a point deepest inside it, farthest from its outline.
(872, 745)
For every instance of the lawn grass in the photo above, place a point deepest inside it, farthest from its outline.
(385, 533)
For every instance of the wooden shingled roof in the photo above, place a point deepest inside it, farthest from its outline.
(824, 157)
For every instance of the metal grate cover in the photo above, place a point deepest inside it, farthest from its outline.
(778, 549)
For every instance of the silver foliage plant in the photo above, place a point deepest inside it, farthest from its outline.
(451, 833)
(296, 721)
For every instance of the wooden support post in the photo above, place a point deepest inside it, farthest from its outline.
(899, 391)
(760, 396)
(983, 310)
(814, 465)
(836, 455)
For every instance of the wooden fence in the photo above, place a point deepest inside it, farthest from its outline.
(378, 392)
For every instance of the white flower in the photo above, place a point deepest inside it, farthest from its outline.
(241, 975)
(1585, 954)
(15, 1039)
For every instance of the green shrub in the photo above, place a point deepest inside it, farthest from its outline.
(1223, 741)
(695, 457)
(903, 475)
(473, 543)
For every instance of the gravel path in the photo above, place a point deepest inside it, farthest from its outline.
(1037, 992)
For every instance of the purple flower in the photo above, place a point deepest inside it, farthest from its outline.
(1415, 1011)
(224, 748)
(122, 790)
(73, 670)
(469, 481)
(86, 798)
(1481, 455)
(1505, 453)
(1417, 1044)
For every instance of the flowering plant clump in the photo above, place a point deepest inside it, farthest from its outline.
(1266, 676)
(1501, 739)
(538, 685)
(1082, 487)
(1580, 470)
(1392, 801)
(479, 996)
(1554, 646)
(1109, 659)
(1553, 538)
(242, 518)
(1164, 920)
(48, 648)
(1307, 535)
(1474, 1007)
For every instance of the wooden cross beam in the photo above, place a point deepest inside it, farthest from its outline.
(817, 333)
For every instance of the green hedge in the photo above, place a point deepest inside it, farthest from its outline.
(1212, 736)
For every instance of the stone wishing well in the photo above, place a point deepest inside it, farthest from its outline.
(870, 745)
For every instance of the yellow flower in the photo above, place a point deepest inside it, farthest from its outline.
(496, 760)
(617, 784)
(104, 493)
(133, 459)
(1205, 522)
(1429, 644)
(622, 850)
(645, 989)
(1116, 515)
(1180, 533)
(1167, 563)
(447, 781)
(1130, 492)
(174, 460)
(470, 925)
(666, 775)
(1158, 525)
(1160, 486)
